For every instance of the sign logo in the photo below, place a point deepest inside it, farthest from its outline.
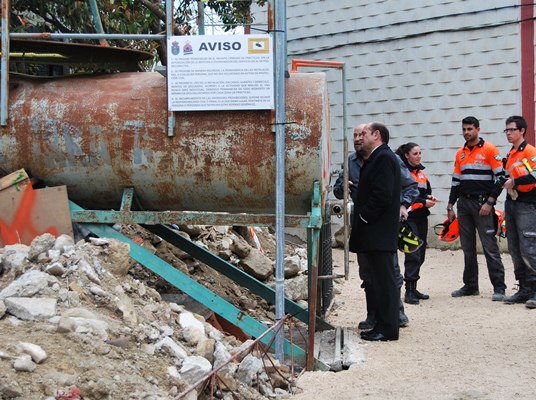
(175, 48)
(258, 45)
(187, 49)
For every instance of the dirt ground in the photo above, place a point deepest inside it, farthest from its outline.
(453, 348)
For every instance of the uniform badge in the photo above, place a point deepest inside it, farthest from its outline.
(497, 157)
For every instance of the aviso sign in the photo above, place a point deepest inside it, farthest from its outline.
(227, 72)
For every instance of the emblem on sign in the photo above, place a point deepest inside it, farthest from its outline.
(175, 48)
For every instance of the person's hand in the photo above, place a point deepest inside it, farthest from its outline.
(451, 215)
(403, 212)
(485, 209)
(431, 201)
(509, 184)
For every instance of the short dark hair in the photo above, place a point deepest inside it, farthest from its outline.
(384, 132)
(519, 121)
(471, 121)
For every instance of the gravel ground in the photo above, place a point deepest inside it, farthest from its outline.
(453, 348)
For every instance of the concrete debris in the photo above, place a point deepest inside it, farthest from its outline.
(257, 265)
(36, 352)
(83, 320)
(292, 266)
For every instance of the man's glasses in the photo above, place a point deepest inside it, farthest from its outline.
(510, 130)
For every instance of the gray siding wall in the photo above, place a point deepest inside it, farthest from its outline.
(418, 66)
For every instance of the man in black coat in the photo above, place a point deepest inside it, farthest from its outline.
(375, 227)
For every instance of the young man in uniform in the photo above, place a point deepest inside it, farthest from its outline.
(520, 210)
(477, 166)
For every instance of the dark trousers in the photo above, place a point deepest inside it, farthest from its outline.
(385, 292)
(521, 231)
(413, 261)
(471, 222)
(364, 273)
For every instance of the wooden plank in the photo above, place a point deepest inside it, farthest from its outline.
(26, 213)
(19, 177)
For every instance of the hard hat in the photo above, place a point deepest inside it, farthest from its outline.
(408, 242)
(449, 230)
(501, 223)
(519, 171)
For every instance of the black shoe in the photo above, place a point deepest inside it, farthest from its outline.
(498, 295)
(374, 336)
(521, 296)
(531, 303)
(465, 291)
(367, 324)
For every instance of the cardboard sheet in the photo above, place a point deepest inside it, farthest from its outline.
(26, 213)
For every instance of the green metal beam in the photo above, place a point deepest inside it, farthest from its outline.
(232, 272)
(183, 218)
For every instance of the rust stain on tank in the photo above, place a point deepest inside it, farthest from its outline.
(100, 134)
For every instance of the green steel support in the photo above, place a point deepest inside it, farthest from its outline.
(232, 272)
(182, 218)
(313, 251)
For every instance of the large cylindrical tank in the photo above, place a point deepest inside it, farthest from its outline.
(100, 134)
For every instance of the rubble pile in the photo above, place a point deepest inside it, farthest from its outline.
(83, 321)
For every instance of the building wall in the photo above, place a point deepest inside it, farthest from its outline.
(420, 67)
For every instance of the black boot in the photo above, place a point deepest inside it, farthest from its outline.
(411, 296)
(420, 296)
(524, 293)
(531, 303)
(370, 322)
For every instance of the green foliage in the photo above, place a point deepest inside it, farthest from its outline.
(123, 17)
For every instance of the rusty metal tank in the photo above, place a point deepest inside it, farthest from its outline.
(100, 134)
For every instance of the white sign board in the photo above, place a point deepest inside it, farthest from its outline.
(227, 72)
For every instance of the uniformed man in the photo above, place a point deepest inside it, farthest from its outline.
(520, 210)
(477, 166)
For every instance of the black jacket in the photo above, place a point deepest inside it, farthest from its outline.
(377, 207)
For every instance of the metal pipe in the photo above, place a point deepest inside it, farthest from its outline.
(339, 65)
(170, 28)
(111, 36)
(201, 17)
(315, 63)
(4, 84)
(97, 21)
(280, 116)
(345, 180)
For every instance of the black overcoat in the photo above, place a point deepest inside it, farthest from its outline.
(377, 208)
